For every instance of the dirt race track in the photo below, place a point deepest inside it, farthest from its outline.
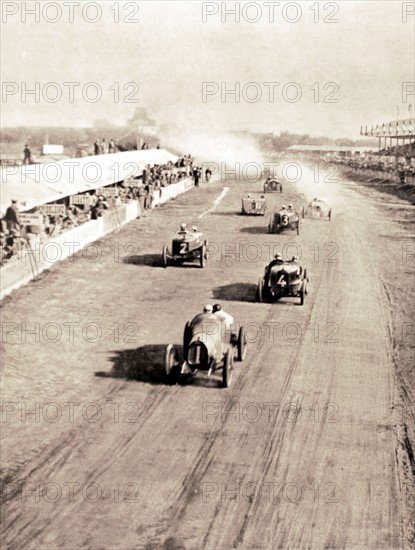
(301, 452)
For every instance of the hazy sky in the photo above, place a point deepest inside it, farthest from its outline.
(168, 52)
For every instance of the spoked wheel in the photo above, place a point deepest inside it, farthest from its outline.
(187, 335)
(165, 256)
(260, 290)
(302, 293)
(206, 250)
(170, 364)
(203, 256)
(227, 368)
(241, 344)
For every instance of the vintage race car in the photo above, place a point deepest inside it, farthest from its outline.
(272, 185)
(283, 278)
(318, 208)
(187, 246)
(254, 205)
(207, 346)
(283, 220)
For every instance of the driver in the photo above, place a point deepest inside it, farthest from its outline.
(206, 315)
(278, 260)
(226, 318)
(290, 207)
(183, 229)
(283, 207)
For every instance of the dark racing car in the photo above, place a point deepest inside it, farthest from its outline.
(187, 246)
(271, 185)
(283, 220)
(283, 278)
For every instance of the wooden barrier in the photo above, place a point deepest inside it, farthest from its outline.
(42, 256)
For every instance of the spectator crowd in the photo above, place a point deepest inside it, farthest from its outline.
(16, 236)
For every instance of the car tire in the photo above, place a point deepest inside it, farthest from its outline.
(302, 294)
(260, 290)
(187, 335)
(241, 344)
(203, 256)
(170, 364)
(165, 256)
(227, 368)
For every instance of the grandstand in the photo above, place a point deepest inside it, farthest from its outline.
(398, 137)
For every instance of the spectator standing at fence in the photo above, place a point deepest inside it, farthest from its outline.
(141, 196)
(12, 217)
(196, 176)
(27, 159)
(97, 148)
(104, 148)
(111, 146)
(144, 175)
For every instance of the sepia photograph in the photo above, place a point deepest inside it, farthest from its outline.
(207, 278)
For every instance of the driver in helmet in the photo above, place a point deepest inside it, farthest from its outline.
(290, 207)
(183, 229)
(226, 318)
(278, 260)
(283, 207)
(206, 315)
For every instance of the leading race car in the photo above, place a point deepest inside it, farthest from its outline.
(208, 345)
(284, 219)
(254, 205)
(318, 208)
(187, 246)
(271, 185)
(283, 278)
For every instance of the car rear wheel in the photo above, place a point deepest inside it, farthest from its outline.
(165, 256)
(187, 335)
(170, 364)
(241, 344)
(302, 294)
(203, 256)
(260, 290)
(227, 368)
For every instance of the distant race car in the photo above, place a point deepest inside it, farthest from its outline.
(283, 278)
(283, 220)
(207, 346)
(272, 185)
(318, 208)
(255, 205)
(187, 246)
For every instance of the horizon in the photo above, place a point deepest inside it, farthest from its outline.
(292, 66)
